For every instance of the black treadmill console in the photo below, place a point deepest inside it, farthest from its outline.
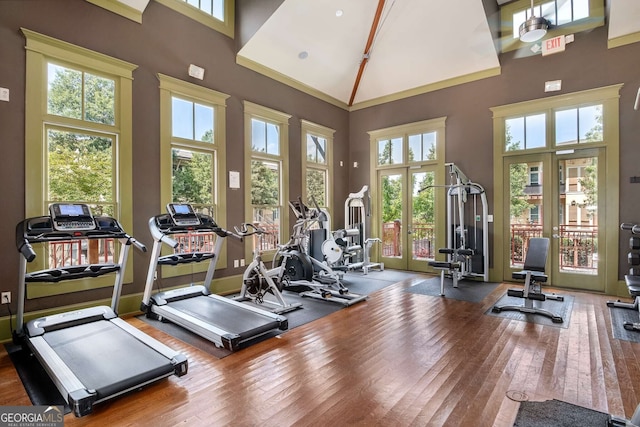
(183, 214)
(71, 217)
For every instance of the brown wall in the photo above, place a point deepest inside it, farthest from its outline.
(166, 42)
(586, 64)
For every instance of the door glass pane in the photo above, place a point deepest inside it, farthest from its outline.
(525, 211)
(391, 215)
(422, 212)
(578, 215)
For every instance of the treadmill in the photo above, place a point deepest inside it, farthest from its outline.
(91, 355)
(223, 321)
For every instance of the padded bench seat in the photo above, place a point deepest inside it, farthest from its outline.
(535, 275)
(633, 284)
(444, 265)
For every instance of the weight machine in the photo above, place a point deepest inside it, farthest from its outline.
(349, 249)
(632, 279)
(467, 251)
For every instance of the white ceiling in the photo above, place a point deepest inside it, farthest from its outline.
(419, 43)
(416, 44)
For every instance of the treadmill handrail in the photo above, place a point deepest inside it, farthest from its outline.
(162, 227)
(40, 230)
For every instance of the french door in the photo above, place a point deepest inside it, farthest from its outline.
(558, 195)
(409, 213)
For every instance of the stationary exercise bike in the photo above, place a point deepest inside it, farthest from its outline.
(258, 281)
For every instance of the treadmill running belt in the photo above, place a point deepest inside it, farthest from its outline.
(107, 359)
(228, 317)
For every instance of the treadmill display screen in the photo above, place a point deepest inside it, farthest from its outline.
(182, 209)
(74, 210)
(183, 214)
(71, 216)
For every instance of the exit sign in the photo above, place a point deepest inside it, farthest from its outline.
(553, 45)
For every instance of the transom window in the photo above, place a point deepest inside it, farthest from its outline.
(526, 132)
(216, 14)
(214, 8)
(579, 125)
(80, 95)
(390, 151)
(422, 146)
(558, 12)
(576, 125)
(564, 16)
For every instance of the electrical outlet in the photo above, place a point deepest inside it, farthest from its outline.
(236, 263)
(242, 262)
(5, 297)
(4, 94)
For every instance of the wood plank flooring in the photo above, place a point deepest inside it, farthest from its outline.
(398, 359)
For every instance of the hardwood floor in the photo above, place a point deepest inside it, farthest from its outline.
(398, 359)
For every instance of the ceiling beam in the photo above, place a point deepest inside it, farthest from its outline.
(367, 49)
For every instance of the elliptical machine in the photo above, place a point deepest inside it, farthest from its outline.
(302, 261)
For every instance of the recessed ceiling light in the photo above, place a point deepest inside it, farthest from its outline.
(303, 55)
(339, 13)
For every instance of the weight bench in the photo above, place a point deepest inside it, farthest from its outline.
(454, 267)
(533, 274)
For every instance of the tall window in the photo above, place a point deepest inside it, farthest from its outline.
(316, 163)
(193, 167)
(78, 141)
(217, 14)
(266, 166)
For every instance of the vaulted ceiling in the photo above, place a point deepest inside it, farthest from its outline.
(328, 48)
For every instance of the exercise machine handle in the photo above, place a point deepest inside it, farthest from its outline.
(248, 229)
(27, 251)
(139, 245)
(226, 233)
(173, 243)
